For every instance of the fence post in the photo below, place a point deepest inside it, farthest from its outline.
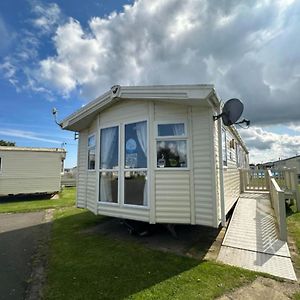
(297, 192)
(267, 176)
(282, 216)
(242, 188)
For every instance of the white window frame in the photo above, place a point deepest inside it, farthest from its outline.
(123, 170)
(225, 145)
(100, 170)
(88, 148)
(184, 137)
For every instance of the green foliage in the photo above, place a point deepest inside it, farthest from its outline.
(7, 143)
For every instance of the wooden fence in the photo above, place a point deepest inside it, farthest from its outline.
(282, 185)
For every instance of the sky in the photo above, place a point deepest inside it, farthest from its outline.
(64, 54)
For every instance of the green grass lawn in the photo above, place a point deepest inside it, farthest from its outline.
(66, 198)
(293, 222)
(93, 266)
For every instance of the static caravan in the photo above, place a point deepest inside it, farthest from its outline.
(30, 170)
(155, 154)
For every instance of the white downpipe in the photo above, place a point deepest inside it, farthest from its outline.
(221, 171)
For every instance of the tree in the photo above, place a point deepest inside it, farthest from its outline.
(7, 143)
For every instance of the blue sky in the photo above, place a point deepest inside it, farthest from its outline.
(65, 53)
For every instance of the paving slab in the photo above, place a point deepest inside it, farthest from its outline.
(251, 240)
(19, 237)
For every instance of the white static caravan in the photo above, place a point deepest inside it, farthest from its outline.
(25, 170)
(152, 153)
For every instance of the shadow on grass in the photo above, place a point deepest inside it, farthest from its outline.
(24, 197)
(95, 264)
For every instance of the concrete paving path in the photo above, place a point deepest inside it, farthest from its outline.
(251, 240)
(20, 235)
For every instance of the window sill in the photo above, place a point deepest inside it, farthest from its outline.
(135, 206)
(108, 203)
(172, 169)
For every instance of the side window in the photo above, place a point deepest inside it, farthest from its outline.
(171, 145)
(0, 164)
(91, 152)
(224, 147)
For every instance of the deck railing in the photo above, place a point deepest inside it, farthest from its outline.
(253, 180)
(282, 185)
(278, 203)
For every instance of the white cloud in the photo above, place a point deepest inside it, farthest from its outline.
(247, 49)
(268, 146)
(47, 16)
(27, 135)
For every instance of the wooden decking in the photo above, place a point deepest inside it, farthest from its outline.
(251, 240)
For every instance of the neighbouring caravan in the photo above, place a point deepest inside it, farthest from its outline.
(26, 170)
(155, 154)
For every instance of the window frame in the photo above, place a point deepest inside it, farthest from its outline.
(224, 139)
(122, 165)
(184, 137)
(100, 170)
(93, 147)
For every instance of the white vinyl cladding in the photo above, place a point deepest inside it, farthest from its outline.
(189, 195)
(203, 165)
(82, 169)
(30, 172)
(172, 187)
(231, 173)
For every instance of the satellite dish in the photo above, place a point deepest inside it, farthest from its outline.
(232, 111)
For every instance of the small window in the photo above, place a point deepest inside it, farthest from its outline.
(171, 129)
(0, 164)
(224, 147)
(171, 146)
(91, 152)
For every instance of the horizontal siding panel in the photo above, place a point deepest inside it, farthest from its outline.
(30, 172)
(202, 156)
(165, 111)
(172, 192)
(123, 212)
(82, 170)
(123, 110)
(231, 187)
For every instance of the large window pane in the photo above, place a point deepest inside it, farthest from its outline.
(109, 148)
(171, 129)
(108, 187)
(171, 154)
(136, 145)
(135, 188)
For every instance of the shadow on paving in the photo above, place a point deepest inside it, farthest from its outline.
(20, 237)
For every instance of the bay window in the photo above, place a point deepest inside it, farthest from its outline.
(171, 145)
